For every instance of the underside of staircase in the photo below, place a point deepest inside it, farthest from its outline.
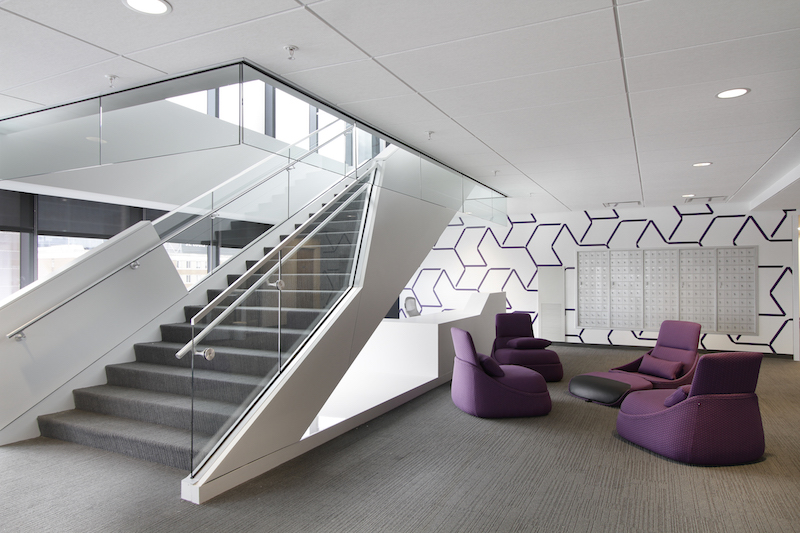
(145, 408)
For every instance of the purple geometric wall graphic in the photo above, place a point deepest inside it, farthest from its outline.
(474, 255)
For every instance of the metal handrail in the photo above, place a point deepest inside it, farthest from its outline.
(19, 334)
(213, 304)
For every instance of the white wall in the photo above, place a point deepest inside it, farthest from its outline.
(473, 255)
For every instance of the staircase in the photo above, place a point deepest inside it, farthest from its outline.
(145, 409)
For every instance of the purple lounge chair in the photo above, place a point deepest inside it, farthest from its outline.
(515, 345)
(484, 388)
(713, 421)
(669, 365)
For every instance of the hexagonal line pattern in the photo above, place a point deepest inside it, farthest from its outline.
(479, 253)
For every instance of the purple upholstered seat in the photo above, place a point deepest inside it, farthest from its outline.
(515, 345)
(670, 364)
(713, 421)
(484, 388)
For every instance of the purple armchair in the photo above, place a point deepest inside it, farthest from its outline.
(670, 364)
(482, 387)
(515, 345)
(713, 421)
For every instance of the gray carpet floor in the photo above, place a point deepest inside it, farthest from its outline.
(427, 466)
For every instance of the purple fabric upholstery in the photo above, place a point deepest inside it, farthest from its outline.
(518, 392)
(659, 367)
(513, 326)
(528, 343)
(719, 423)
(678, 396)
(677, 342)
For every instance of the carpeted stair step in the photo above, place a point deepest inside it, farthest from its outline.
(298, 299)
(221, 386)
(260, 316)
(155, 407)
(228, 359)
(251, 337)
(150, 442)
(324, 280)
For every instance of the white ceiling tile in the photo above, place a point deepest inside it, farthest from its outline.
(700, 139)
(395, 110)
(420, 23)
(350, 82)
(576, 123)
(713, 62)
(261, 41)
(86, 82)
(510, 53)
(762, 148)
(548, 88)
(661, 25)
(124, 31)
(32, 52)
(13, 106)
(600, 148)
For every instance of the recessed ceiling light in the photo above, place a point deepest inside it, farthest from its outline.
(687, 196)
(150, 7)
(733, 93)
(703, 164)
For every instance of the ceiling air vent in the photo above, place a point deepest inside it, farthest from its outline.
(632, 203)
(705, 199)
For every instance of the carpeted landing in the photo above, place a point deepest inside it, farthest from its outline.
(427, 466)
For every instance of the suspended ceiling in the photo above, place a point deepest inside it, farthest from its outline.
(561, 105)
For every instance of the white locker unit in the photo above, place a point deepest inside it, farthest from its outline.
(593, 303)
(661, 294)
(626, 288)
(698, 282)
(639, 289)
(736, 297)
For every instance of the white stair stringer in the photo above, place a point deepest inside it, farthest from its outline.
(400, 232)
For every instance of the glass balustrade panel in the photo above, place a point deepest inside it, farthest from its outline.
(285, 303)
(169, 117)
(52, 140)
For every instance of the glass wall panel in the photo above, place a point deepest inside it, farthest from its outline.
(9, 263)
(56, 139)
(441, 186)
(402, 174)
(154, 121)
(56, 253)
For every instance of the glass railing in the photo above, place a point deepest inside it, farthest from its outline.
(265, 315)
(227, 218)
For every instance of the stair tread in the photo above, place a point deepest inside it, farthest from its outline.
(159, 398)
(241, 328)
(183, 372)
(112, 426)
(220, 350)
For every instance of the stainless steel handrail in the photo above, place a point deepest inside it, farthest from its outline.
(213, 304)
(19, 334)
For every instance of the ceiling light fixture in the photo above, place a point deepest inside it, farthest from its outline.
(687, 196)
(149, 7)
(733, 93)
(703, 164)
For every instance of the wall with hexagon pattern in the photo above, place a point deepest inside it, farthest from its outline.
(473, 255)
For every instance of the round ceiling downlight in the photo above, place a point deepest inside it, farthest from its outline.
(733, 93)
(149, 7)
